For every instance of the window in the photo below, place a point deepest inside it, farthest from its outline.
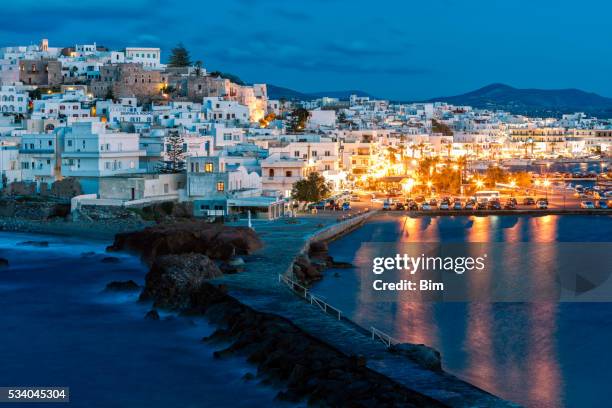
(288, 173)
(209, 167)
(314, 153)
(296, 153)
(271, 172)
(69, 143)
(220, 186)
(327, 153)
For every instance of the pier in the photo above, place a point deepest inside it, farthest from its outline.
(264, 286)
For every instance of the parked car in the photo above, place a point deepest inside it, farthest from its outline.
(603, 204)
(346, 206)
(542, 204)
(386, 205)
(457, 205)
(513, 201)
(433, 202)
(481, 206)
(469, 205)
(587, 204)
(425, 206)
(399, 206)
(445, 205)
(543, 199)
(494, 205)
(510, 205)
(528, 201)
(413, 206)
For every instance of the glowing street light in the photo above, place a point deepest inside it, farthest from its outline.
(479, 183)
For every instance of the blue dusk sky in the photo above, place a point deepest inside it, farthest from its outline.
(403, 50)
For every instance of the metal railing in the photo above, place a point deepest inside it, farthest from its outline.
(383, 337)
(303, 292)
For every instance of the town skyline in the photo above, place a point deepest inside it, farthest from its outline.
(462, 48)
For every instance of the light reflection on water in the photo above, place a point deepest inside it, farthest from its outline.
(539, 354)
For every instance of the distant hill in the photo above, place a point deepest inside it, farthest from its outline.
(278, 92)
(538, 102)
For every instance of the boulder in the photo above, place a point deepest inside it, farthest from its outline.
(122, 286)
(216, 241)
(174, 278)
(421, 354)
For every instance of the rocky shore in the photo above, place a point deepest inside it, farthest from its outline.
(184, 256)
(307, 368)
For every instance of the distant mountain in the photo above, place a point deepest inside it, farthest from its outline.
(278, 92)
(538, 102)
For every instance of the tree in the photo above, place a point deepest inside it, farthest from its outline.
(495, 174)
(175, 154)
(298, 119)
(198, 68)
(440, 127)
(179, 57)
(109, 94)
(312, 189)
(225, 75)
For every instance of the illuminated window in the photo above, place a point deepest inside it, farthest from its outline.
(208, 167)
(220, 186)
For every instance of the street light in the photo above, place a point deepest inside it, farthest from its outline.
(546, 183)
(407, 186)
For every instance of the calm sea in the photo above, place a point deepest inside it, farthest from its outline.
(58, 328)
(539, 354)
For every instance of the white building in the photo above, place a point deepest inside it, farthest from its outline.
(219, 110)
(92, 151)
(13, 100)
(149, 57)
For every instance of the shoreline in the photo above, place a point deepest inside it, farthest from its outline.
(96, 231)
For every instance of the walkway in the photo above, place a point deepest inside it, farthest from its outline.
(258, 287)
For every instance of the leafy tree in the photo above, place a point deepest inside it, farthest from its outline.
(314, 188)
(175, 153)
(439, 127)
(522, 179)
(225, 75)
(342, 117)
(109, 94)
(179, 57)
(495, 174)
(298, 119)
(198, 68)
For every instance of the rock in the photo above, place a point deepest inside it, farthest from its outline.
(217, 241)
(318, 247)
(4, 263)
(110, 260)
(122, 286)
(174, 278)
(421, 354)
(42, 244)
(152, 315)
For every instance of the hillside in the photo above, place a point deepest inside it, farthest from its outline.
(552, 102)
(277, 92)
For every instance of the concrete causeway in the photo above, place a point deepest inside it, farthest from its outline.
(258, 287)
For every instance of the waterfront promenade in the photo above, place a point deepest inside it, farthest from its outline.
(258, 287)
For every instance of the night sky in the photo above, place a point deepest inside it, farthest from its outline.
(402, 50)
